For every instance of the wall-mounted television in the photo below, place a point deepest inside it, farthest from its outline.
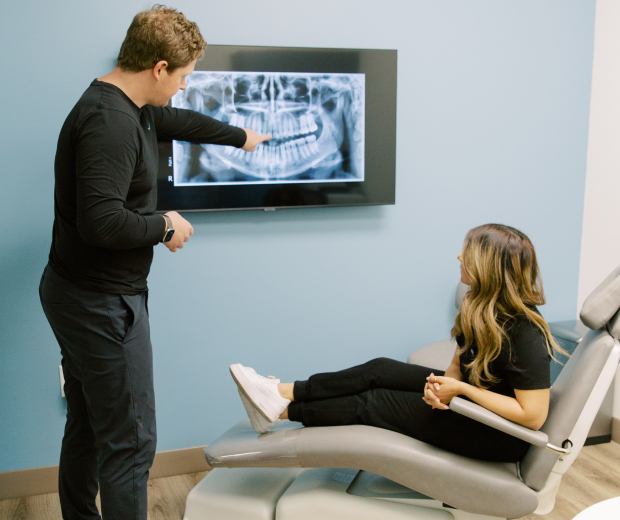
(331, 114)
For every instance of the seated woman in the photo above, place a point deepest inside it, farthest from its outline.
(501, 362)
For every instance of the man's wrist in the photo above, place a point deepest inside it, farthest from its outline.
(168, 229)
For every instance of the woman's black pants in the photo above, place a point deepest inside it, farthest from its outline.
(388, 394)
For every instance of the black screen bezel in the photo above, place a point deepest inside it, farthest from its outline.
(378, 187)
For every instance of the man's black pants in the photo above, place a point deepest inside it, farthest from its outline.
(109, 439)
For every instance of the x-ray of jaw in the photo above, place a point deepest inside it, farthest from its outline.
(316, 122)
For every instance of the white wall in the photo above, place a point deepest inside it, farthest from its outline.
(600, 245)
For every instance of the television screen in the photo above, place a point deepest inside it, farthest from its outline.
(331, 114)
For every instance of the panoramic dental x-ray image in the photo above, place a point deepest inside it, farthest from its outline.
(316, 122)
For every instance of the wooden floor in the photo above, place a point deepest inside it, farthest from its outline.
(595, 476)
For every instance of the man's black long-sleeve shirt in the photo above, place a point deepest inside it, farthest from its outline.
(106, 186)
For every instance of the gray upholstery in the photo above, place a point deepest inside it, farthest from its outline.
(436, 355)
(481, 487)
(603, 303)
(439, 354)
(251, 494)
(600, 309)
(567, 402)
(472, 485)
(484, 416)
(614, 325)
(571, 331)
(461, 291)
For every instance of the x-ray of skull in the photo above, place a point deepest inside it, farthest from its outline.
(316, 122)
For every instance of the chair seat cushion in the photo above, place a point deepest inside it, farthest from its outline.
(476, 486)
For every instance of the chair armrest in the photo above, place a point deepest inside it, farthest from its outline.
(478, 413)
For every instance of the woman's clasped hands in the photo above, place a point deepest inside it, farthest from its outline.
(439, 391)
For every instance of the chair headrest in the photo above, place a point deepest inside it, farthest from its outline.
(601, 306)
(461, 289)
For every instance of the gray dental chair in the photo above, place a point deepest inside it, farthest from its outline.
(403, 478)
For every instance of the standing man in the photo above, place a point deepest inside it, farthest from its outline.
(94, 289)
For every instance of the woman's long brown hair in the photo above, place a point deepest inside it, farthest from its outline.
(500, 264)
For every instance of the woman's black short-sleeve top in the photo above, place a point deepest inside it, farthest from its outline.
(523, 363)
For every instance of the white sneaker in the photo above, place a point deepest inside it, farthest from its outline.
(261, 391)
(258, 422)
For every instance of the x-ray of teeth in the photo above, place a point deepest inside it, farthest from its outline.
(316, 122)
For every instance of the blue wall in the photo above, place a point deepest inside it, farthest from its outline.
(493, 103)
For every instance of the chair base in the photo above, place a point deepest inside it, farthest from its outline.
(238, 494)
(296, 494)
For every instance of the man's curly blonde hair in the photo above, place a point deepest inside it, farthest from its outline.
(160, 33)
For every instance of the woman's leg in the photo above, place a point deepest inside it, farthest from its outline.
(265, 396)
(405, 412)
(378, 373)
(395, 410)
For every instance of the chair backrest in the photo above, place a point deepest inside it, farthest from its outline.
(579, 390)
(461, 290)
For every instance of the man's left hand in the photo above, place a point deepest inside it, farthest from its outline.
(253, 139)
